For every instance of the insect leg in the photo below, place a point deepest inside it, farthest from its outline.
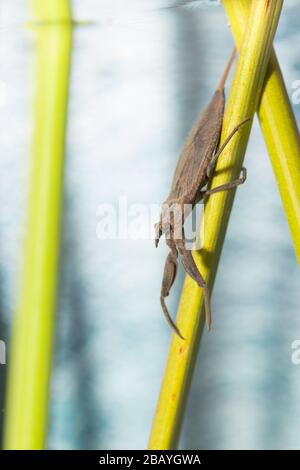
(191, 269)
(158, 233)
(169, 276)
(212, 163)
(227, 186)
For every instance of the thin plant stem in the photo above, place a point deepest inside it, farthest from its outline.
(31, 345)
(278, 125)
(242, 102)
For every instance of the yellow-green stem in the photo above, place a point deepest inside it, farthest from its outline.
(278, 125)
(30, 348)
(243, 98)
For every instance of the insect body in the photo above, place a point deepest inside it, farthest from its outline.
(193, 172)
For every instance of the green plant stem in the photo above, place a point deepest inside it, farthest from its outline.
(242, 102)
(278, 125)
(31, 346)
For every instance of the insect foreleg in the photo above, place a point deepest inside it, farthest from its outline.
(169, 276)
(158, 233)
(192, 270)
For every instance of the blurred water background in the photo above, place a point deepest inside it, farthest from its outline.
(141, 72)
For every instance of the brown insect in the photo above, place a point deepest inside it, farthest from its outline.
(193, 173)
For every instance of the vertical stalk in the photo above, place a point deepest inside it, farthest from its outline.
(32, 330)
(243, 98)
(278, 125)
